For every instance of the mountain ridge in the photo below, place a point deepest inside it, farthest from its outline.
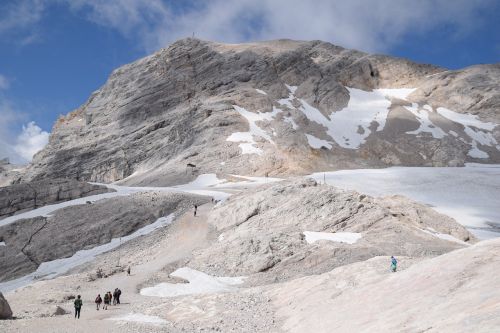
(177, 107)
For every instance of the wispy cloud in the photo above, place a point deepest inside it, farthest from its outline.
(366, 25)
(19, 19)
(4, 83)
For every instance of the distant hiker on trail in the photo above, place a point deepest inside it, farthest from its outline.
(115, 296)
(98, 301)
(110, 297)
(78, 306)
(394, 264)
(195, 209)
(128, 270)
(118, 294)
(106, 301)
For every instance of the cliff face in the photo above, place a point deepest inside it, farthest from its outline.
(278, 107)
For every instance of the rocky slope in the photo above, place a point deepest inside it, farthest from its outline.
(27, 243)
(277, 107)
(9, 173)
(328, 293)
(18, 198)
(460, 287)
(265, 231)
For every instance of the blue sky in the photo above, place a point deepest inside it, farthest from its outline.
(54, 53)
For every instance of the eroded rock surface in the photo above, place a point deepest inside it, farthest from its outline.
(262, 231)
(30, 242)
(5, 311)
(19, 198)
(279, 107)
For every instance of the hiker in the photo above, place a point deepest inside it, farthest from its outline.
(195, 208)
(128, 270)
(106, 301)
(118, 293)
(394, 264)
(110, 297)
(115, 296)
(98, 301)
(78, 306)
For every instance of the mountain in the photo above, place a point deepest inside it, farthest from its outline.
(272, 108)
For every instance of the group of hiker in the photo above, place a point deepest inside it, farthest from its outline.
(108, 299)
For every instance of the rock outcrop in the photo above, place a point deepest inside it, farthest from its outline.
(5, 311)
(30, 242)
(264, 231)
(9, 173)
(19, 198)
(278, 107)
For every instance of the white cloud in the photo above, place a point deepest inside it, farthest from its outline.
(366, 25)
(31, 140)
(4, 82)
(19, 147)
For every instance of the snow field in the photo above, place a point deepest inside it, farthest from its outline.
(341, 237)
(199, 283)
(140, 318)
(470, 195)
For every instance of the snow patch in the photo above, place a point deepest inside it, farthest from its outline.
(426, 125)
(478, 131)
(199, 283)
(2, 243)
(341, 237)
(447, 237)
(400, 93)
(363, 109)
(261, 91)
(246, 139)
(475, 152)
(204, 180)
(316, 143)
(291, 121)
(140, 318)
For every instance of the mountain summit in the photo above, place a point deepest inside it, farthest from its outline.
(278, 107)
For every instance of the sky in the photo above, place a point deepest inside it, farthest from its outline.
(55, 53)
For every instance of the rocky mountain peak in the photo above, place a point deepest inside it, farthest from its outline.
(274, 107)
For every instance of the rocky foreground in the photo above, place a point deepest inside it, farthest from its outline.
(293, 256)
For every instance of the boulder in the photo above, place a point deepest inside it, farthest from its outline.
(5, 311)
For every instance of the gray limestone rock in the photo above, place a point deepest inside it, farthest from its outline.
(155, 116)
(261, 232)
(5, 311)
(19, 198)
(30, 242)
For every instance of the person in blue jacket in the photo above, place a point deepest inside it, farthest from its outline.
(394, 264)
